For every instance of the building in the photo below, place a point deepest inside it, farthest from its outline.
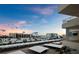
(35, 34)
(4, 41)
(14, 38)
(71, 24)
(52, 36)
(69, 9)
(19, 35)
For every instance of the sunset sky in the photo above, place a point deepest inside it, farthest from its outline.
(30, 18)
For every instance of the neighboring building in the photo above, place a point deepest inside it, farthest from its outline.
(35, 34)
(43, 36)
(13, 40)
(72, 24)
(52, 35)
(19, 35)
(4, 40)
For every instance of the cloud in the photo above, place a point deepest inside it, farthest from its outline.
(20, 23)
(5, 29)
(14, 24)
(44, 11)
(4, 26)
(19, 31)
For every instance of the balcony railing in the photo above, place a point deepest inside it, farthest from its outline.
(68, 19)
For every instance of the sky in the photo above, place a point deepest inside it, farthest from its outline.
(28, 18)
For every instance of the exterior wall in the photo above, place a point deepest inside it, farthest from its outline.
(67, 34)
(72, 34)
(72, 26)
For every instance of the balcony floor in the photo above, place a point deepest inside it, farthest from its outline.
(25, 50)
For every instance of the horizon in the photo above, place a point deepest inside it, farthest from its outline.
(28, 18)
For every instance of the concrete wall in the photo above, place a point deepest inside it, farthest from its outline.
(71, 23)
(70, 34)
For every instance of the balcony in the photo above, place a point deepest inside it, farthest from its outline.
(70, 22)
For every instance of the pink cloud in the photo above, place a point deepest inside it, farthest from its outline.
(19, 31)
(5, 29)
(21, 23)
(44, 11)
(4, 26)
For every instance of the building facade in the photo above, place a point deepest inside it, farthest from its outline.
(71, 24)
(19, 35)
(52, 36)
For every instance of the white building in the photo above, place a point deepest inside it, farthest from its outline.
(4, 40)
(35, 34)
(52, 35)
(71, 24)
(13, 40)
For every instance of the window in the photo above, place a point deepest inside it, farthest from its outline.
(75, 34)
